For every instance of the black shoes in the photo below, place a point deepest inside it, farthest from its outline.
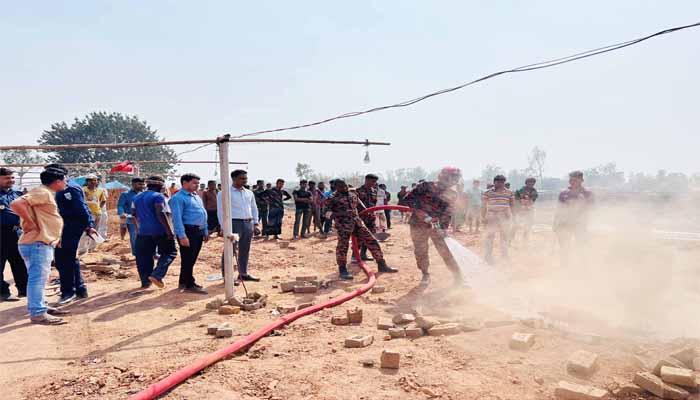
(344, 274)
(197, 289)
(249, 278)
(382, 267)
(66, 300)
(9, 297)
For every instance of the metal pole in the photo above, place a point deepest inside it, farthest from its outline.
(229, 278)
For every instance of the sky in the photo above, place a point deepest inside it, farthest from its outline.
(196, 70)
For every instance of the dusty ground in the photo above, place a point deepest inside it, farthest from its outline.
(119, 340)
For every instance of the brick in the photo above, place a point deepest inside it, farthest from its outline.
(304, 305)
(305, 287)
(626, 390)
(445, 329)
(678, 376)
(426, 322)
(582, 362)
(384, 324)
(572, 391)
(355, 316)
(340, 320)
(358, 341)
(686, 356)
(413, 331)
(287, 286)
(224, 332)
(306, 278)
(655, 385)
(397, 333)
(521, 341)
(215, 303)
(390, 359)
(211, 329)
(286, 309)
(229, 310)
(378, 289)
(667, 362)
(403, 319)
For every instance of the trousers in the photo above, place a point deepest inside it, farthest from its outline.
(9, 253)
(302, 217)
(420, 235)
(189, 255)
(146, 247)
(364, 237)
(67, 263)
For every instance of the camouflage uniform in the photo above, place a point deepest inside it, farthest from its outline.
(368, 197)
(437, 202)
(344, 207)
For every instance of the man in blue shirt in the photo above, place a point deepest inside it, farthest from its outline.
(77, 220)
(190, 224)
(124, 209)
(155, 233)
(9, 252)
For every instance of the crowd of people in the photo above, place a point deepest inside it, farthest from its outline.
(48, 223)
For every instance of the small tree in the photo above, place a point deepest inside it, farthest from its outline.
(304, 171)
(489, 172)
(22, 157)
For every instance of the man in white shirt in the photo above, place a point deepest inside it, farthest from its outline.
(244, 216)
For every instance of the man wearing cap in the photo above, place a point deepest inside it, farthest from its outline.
(95, 198)
(77, 220)
(497, 213)
(190, 225)
(571, 218)
(367, 194)
(9, 235)
(344, 206)
(124, 206)
(155, 233)
(432, 204)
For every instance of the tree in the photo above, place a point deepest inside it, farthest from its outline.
(536, 161)
(489, 172)
(22, 157)
(517, 177)
(304, 171)
(103, 127)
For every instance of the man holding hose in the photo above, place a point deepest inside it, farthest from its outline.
(432, 210)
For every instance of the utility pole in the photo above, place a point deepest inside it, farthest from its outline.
(229, 278)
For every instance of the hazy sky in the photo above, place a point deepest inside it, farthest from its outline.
(201, 69)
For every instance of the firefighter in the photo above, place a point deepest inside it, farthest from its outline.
(432, 203)
(343, 206)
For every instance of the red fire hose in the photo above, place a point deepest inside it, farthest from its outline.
(182, 374)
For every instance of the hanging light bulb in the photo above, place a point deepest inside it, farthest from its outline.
(366, 159)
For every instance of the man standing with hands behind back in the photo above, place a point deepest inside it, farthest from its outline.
(190, 225)
(244, 216)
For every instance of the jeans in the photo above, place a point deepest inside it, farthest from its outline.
(146, 246)
(37, 256)
(188, 255)
(302, 215)
(10, 253)
(132, 237)
(244, 229)
(67, 262)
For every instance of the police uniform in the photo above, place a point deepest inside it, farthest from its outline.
(344, 207)
(437, 202)
(76, 219)
(9, 252)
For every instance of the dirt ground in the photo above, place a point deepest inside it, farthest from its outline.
(120, 339)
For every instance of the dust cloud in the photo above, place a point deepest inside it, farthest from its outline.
(637, 275)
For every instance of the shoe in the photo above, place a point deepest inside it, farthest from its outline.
(249, 277)
(55, 282)
(182, 286)
(146, 286)
(158, 282)
(196, 289)
(344, 274)
(46, 319)
(9, 297)
(66, 300)
(425, 280)
(82, 295)
(20, 295)
(382, 267)
(364, 257)
(56, 311)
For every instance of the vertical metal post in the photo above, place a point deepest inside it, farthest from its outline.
(229, 278)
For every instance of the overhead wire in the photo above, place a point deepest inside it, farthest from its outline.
(524, 68)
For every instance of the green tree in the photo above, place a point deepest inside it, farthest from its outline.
(304, 171)
(103, 127)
